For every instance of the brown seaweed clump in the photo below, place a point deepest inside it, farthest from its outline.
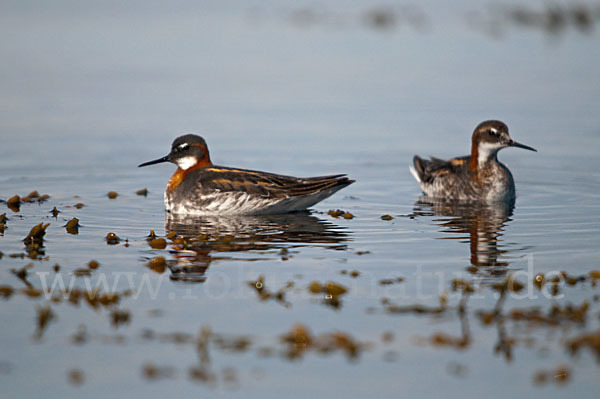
(265, 294)
(84, 272)
(329, 288)
(340, 213)
(36, 234)
(94, 298)
(442, 339)
(332, 292)
(6, 291)
(35, 196)
(391, 281)
(352, 273)
(72, 226)
(300, 341)
(158, 243)
(151, 371)
(157, 264)
(44, 316)
(3, 220)
(112, 239)
(119, 317)
(588, 340)
(560, 375)
(14, 203)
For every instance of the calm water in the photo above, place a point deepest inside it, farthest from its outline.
(89, 92)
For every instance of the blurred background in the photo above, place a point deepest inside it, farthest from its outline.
(398, 77)
(91, 89)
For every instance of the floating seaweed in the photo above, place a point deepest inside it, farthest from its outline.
(442, 339)
(44, 316)
(158, 243)
(589, 340)
(157, 264)
(332, 292)
(3, 220)
(54, 212)
(352, 273)
(119, 317)
(232, 343)
(23, 273)
(92, 297)
(300, 340)
(265, 294)
(36, 234)
(340, 213)
(6, 291)
(391, 281)
(151, 371)
(416, 308)
(82, 272)
(72, 226)
(560, 375)
(112, 239)
(14, 203)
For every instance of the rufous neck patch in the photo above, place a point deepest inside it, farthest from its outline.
(180, 174)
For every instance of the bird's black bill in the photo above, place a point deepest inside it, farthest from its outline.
(513, 143)
(160, 160)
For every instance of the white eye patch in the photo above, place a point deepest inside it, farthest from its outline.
(183, 146)
(186, 162)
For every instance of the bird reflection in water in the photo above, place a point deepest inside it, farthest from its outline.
(479, 224)
(203, 240)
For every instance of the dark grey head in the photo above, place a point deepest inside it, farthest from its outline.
(186, 152)
(491, 136)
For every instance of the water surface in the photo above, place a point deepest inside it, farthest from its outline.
(242, 306)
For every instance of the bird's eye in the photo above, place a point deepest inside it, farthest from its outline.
(182, 147)
(492, 132)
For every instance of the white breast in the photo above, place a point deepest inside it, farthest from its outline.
(241, 203)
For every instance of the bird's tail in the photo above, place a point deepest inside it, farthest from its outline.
(417, 168)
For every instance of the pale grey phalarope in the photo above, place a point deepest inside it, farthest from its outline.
(475, 177)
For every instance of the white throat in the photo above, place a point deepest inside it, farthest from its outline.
(486, 151)
(187, 162)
